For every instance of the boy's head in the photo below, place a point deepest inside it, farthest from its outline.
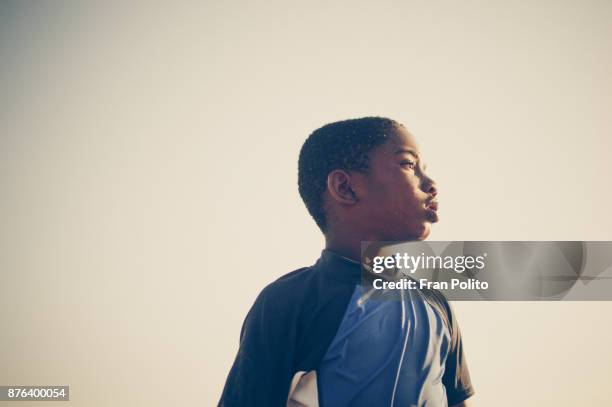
(366, 176)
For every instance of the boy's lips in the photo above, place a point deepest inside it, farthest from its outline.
(432, 205)
(432, 210)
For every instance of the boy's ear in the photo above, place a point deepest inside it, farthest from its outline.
(340, 188)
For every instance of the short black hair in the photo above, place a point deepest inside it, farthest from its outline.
(343, 145)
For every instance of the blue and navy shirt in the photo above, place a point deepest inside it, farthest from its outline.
(314, 337)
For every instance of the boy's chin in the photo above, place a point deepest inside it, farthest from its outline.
(420, 233)
(426, 231)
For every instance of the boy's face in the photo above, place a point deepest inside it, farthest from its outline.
(397, 198)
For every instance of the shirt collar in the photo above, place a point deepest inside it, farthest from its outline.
(339, 266)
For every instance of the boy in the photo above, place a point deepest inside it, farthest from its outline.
(312, 338)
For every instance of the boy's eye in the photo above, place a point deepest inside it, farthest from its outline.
(408, 163)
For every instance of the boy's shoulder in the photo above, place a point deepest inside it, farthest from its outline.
(305, 291)
(287, 289)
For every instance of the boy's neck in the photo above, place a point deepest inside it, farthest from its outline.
(347, 244)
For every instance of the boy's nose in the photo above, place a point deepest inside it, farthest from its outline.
(430, 187)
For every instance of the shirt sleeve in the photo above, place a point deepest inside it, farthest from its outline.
(261, 372)
(456, 377)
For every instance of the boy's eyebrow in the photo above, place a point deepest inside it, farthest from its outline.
(408, 151)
